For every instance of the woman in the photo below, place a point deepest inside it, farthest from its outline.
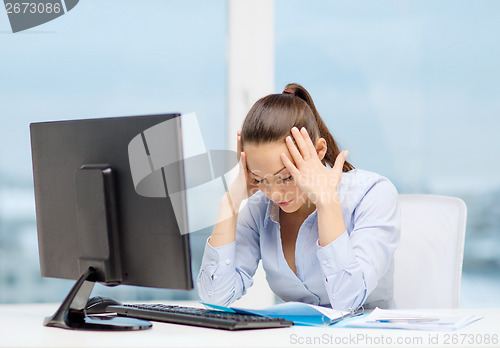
(326, 232)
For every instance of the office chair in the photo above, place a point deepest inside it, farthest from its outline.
(428, 261)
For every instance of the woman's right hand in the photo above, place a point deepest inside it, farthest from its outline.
(242, 187)
(251, 187)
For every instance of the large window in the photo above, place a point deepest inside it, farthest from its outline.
(411, 89)
(103, 58)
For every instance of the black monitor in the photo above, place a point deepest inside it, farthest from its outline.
(103, 211)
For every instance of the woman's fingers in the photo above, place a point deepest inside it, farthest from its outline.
(339, 162)
(251, 188)
(289, 165)
(301, 142)
(243, 162)
(308, 140)
(296, 155)
(304, 150)
(238, 144)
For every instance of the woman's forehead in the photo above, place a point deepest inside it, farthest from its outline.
(264, 159)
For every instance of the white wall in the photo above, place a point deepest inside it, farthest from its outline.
(250, 76)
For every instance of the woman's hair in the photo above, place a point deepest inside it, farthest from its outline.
(271, 119)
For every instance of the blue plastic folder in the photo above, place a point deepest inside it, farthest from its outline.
(300, 313)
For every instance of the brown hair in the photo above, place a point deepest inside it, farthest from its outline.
(272, 117)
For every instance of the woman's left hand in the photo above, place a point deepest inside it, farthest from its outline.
(313, 178)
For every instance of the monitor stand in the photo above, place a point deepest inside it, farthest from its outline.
(71, 314)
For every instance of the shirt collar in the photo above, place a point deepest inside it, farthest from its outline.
(271, 212)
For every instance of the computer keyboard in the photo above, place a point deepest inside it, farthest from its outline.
(198, 317)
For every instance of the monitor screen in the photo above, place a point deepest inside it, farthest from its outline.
(90, 211)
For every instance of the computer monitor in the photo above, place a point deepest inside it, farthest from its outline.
(93, 225)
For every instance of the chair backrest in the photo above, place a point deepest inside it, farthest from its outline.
(428, 261)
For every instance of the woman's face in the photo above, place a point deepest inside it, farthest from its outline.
(269, 174)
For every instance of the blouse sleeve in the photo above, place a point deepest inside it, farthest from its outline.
(226, 271)
(353, 263)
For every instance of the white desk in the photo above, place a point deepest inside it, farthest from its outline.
(21, 326)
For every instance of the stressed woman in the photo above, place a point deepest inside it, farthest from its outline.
(325, 232)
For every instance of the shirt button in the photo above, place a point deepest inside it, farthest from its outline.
(209, 292)
(325, 262)
(228, 261)
(213, 262)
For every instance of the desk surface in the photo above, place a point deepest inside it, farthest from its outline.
(21, 326)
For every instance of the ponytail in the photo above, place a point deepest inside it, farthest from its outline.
(332, 148)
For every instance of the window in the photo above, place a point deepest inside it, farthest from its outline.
(410, 88)
(101, 59)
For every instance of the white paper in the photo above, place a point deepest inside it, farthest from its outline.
(443, 322)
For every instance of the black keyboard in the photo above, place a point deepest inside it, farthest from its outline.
(198, 317)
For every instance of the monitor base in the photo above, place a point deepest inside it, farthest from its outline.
(71, 314)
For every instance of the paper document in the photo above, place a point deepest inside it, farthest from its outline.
(298, 312)
(396, 319)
